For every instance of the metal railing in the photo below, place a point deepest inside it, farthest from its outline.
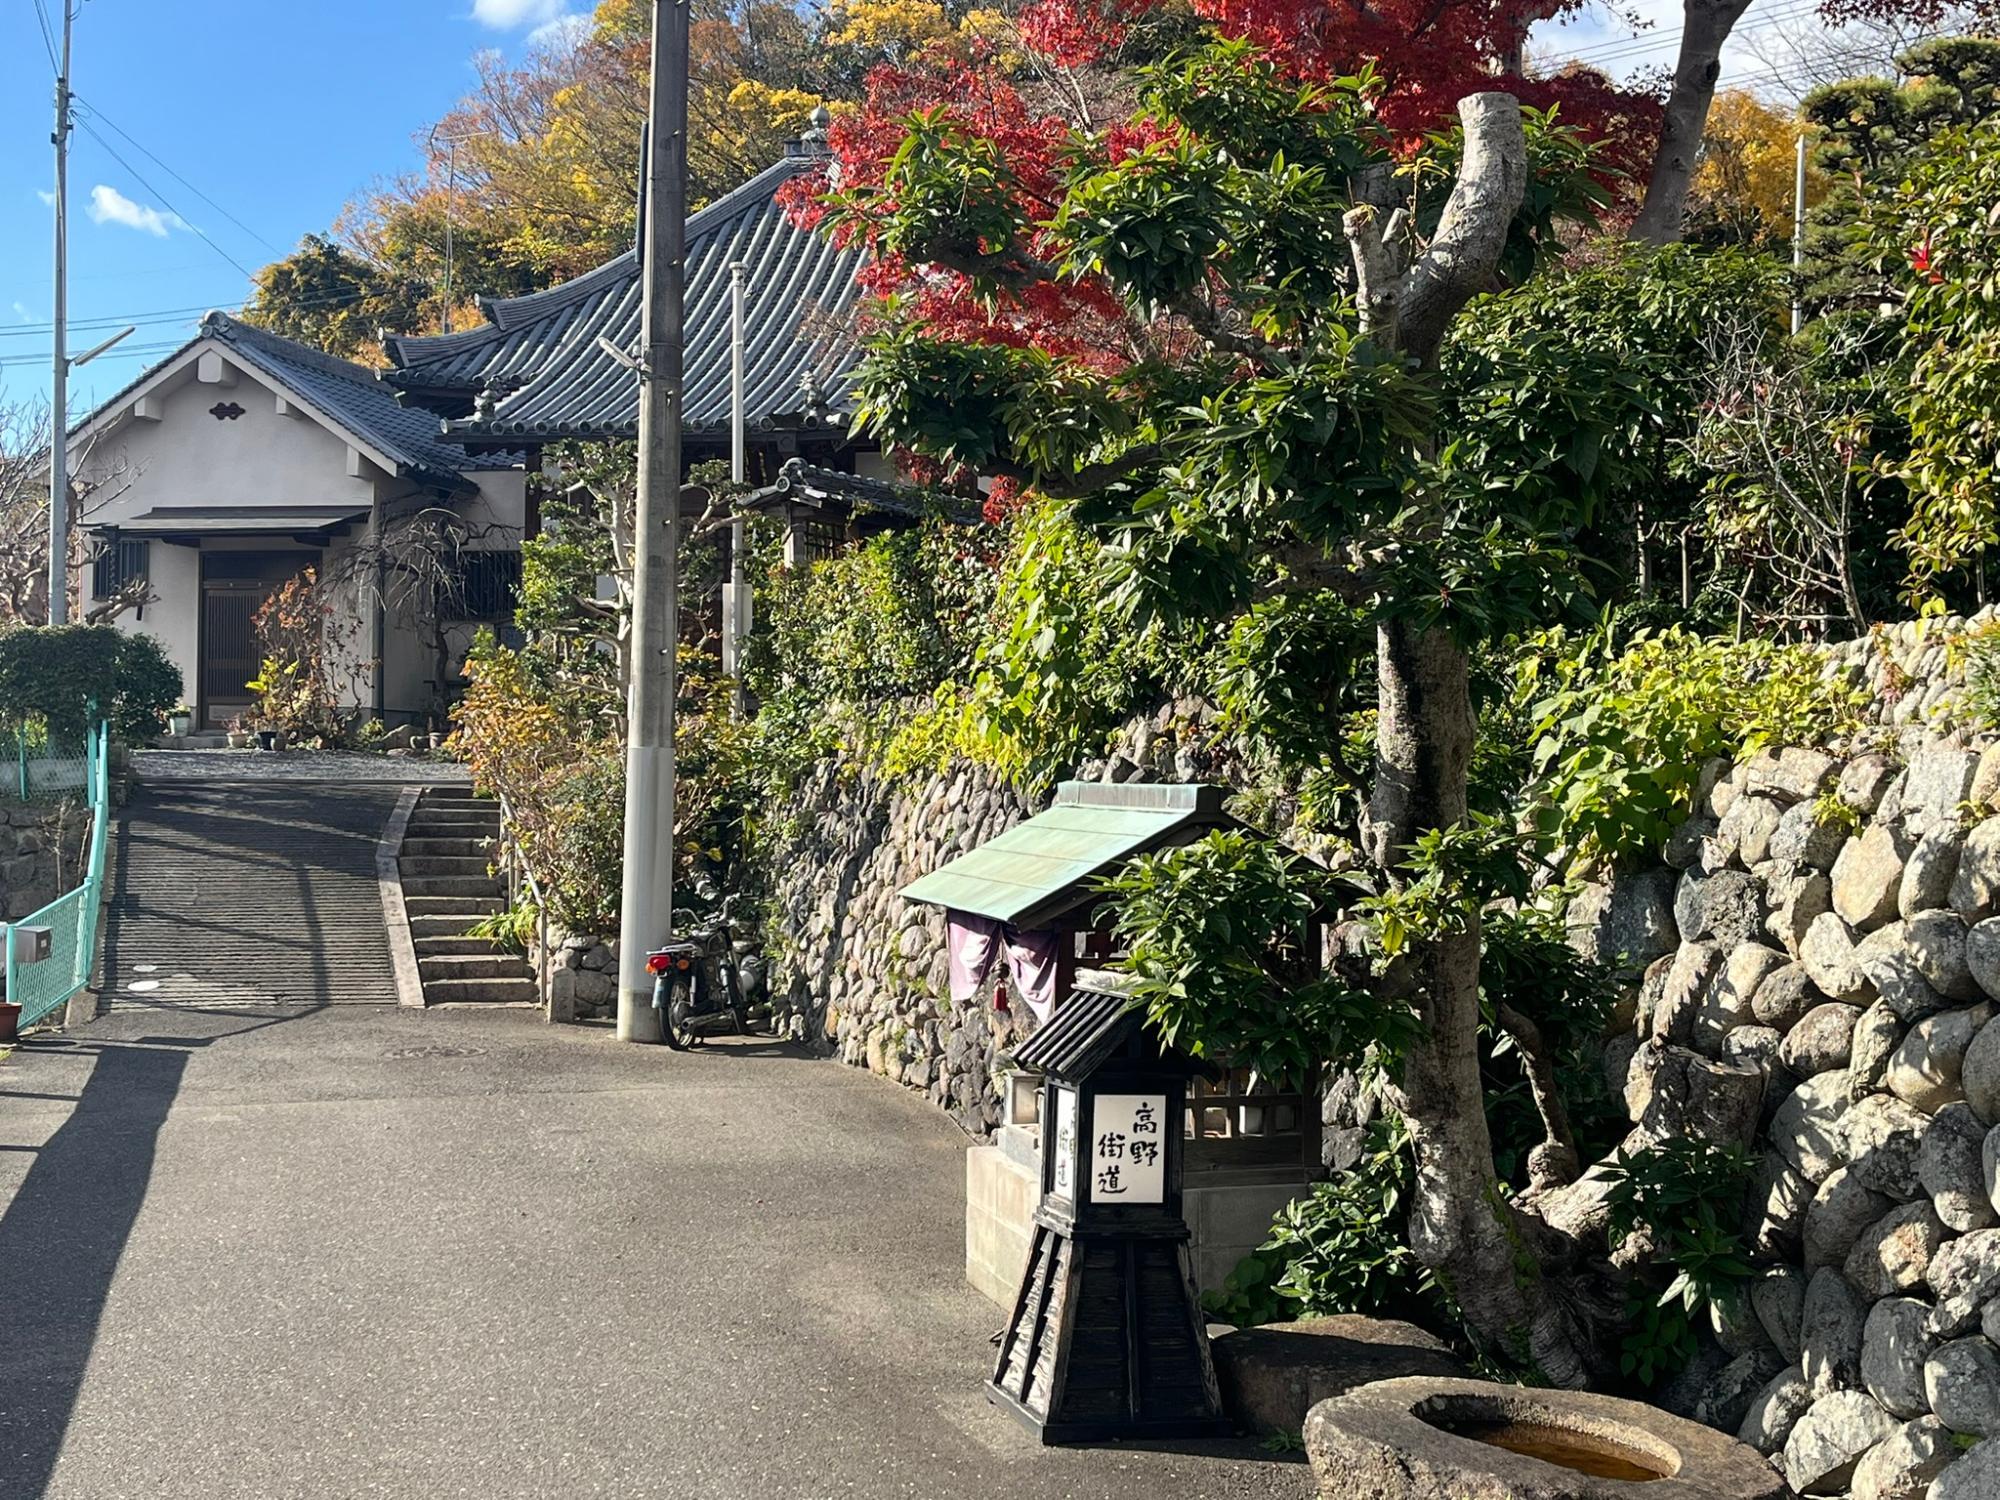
(40, 985)
(514, 866)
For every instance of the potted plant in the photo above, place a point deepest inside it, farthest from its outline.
(239, 734)
(179, 719)
(10, 1022)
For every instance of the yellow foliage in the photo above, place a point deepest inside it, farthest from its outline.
(994, 29)
(888, 26)
(1748, 161)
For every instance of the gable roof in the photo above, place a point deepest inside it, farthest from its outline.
(543, 376)
(346, 396)
(1039, 871)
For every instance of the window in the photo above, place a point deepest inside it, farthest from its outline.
(489, 584)
(116, 564)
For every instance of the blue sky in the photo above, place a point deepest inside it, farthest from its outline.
(280, 114)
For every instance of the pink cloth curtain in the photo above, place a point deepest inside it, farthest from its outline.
(979, 944)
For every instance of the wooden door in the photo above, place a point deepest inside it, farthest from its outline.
(228, 647)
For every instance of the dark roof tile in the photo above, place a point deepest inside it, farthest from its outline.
(541, 357)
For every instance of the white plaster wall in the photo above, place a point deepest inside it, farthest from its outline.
(257, 460)
(175, 575)
(191, 458)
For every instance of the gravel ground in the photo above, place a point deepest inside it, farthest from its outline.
(357, 1251)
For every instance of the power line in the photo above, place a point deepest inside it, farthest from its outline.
(1618, 49)
(94, 112)
(140, 178)
(48, 34)
(168, 314)
(124, 351)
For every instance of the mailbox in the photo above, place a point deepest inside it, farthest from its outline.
(31, 945)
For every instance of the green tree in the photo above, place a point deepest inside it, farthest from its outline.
(1278, 428)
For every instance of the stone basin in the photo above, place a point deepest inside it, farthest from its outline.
(1424, 1438)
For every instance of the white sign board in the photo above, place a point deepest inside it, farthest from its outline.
(1065, 1144)
(1128, 1149)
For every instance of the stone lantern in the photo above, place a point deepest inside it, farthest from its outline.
(1106, 1339)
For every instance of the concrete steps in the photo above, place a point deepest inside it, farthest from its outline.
(449, 885)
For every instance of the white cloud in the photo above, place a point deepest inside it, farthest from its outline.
(46, 196)
(563, 31)
(21, 312)
(109, 206)
(505, 15)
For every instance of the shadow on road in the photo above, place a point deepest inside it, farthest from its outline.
(62, 1234)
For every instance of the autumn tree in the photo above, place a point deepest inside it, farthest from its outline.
(1216, 331)
(1745, 179)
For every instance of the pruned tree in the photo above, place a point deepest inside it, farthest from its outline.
(24, 523)
(413, 567)
(1215, 331)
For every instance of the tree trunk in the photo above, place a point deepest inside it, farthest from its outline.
(1706, 26)
(1461, 1225)
(1487, 1255)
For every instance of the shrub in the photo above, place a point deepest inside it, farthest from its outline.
(294, 685)
(1621, 733)
(1218, 936)
(1687, 1197)
(1341, 1248)
(51, 675)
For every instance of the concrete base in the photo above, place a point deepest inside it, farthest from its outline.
(1003, 1184)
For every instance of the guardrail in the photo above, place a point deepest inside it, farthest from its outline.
(41, 984)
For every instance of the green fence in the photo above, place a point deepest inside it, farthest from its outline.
(46, 772)
(40, 985)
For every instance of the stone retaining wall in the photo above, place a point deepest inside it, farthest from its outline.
(866, 971)
(1847, 956)
(41, 851)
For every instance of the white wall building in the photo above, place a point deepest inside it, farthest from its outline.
(246, 458)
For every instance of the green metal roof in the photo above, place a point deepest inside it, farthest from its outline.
(1038, 870)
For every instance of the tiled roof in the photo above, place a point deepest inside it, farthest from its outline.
(349, 394)
(799, 482)
(540, 357)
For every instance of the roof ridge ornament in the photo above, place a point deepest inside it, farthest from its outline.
(812, 140)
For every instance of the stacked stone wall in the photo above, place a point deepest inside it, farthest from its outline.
(867, 972)
(1819, 947)
(1827, 923)
(40, 855)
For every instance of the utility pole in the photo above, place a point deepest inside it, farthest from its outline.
(646, 905)
(736, 594)
(451, 143)
(59, 370)
(1799, 235)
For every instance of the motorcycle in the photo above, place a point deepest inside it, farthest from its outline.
(697, 981)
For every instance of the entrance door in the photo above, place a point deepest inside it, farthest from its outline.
(234, 586)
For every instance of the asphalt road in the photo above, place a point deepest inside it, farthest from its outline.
(358, 1252)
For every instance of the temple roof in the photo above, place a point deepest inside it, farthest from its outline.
(801, 483)
(346, 395)
(540, 372)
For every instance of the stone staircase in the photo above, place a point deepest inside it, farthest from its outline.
(448, 885)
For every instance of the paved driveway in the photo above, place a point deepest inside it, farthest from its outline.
(354, 1251)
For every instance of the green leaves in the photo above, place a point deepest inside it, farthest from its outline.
(1620, 733)
(1218, 935)
(52, 675)
(1686, 1196)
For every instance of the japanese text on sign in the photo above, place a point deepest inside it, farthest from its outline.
(1128, 1149)
(1065, 1144)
